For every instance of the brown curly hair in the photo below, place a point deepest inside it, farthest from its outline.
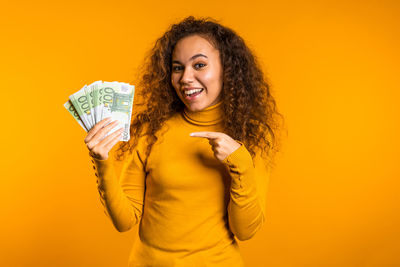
(250, 113)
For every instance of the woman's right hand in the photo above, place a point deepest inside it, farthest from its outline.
(95, 141)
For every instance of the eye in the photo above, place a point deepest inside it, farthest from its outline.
(201, 65)
(176, 68)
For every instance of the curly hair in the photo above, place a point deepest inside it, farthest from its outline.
(250, 113)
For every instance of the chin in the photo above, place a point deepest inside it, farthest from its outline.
(195, 106)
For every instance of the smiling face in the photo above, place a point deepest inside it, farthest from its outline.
(196, 65)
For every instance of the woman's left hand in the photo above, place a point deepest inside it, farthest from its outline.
(222, 144)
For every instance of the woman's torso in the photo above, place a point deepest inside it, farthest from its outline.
(184, 220)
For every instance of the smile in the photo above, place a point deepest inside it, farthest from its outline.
(193, 93)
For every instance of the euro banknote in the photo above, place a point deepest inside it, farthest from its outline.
(100, 100)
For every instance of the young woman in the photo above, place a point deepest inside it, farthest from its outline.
(198, 162)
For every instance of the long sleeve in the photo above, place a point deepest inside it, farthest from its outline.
(246, 208)
(122, 199)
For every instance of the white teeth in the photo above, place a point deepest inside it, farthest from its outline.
(189, 92)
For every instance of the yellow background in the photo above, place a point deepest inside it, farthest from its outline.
(334, 66)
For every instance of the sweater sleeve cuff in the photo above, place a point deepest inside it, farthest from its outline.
(101, 167)
(240, 159)
(241, 168)
(106, 181)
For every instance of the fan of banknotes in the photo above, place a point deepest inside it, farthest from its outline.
(101, 100)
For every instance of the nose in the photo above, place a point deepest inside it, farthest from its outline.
(187, 76)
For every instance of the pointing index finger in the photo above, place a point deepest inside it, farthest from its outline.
(211, 135)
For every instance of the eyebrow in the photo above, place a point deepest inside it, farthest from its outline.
(193, 57)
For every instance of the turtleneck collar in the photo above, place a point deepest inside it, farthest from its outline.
(208, 116)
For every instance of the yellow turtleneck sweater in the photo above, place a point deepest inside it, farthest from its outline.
(188, 204)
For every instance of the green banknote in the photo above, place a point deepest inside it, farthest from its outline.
(96, 101)
(89, 96)
(82, 106)
(68, 105)
(101, 100)
(117, 102)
